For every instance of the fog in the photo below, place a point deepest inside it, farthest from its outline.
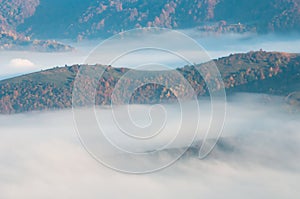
(19, 62)
(225, 44)
(41, 156)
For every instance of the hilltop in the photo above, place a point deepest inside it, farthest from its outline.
(260, 72)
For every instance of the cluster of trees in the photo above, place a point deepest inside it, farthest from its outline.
(241, 69)
(223, 27)
(30, 95)
(13, 14)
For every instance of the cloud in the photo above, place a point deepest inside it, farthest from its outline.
(19, 62)
(257, 157)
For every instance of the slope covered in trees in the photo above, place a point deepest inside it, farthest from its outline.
(85, 19)
(23, 22)
(261, 72)
(13, 14)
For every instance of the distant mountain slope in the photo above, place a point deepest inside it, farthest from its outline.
(265, 15)
(90, 18)
(262, 72)
(13, 13)
(22, 22)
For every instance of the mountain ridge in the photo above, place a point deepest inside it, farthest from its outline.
(261, 72)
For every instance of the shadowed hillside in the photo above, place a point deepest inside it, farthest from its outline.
(86, 19)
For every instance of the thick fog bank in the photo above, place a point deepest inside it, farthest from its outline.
(257, 157)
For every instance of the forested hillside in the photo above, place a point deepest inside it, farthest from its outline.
(260, 72)
(85, 19)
